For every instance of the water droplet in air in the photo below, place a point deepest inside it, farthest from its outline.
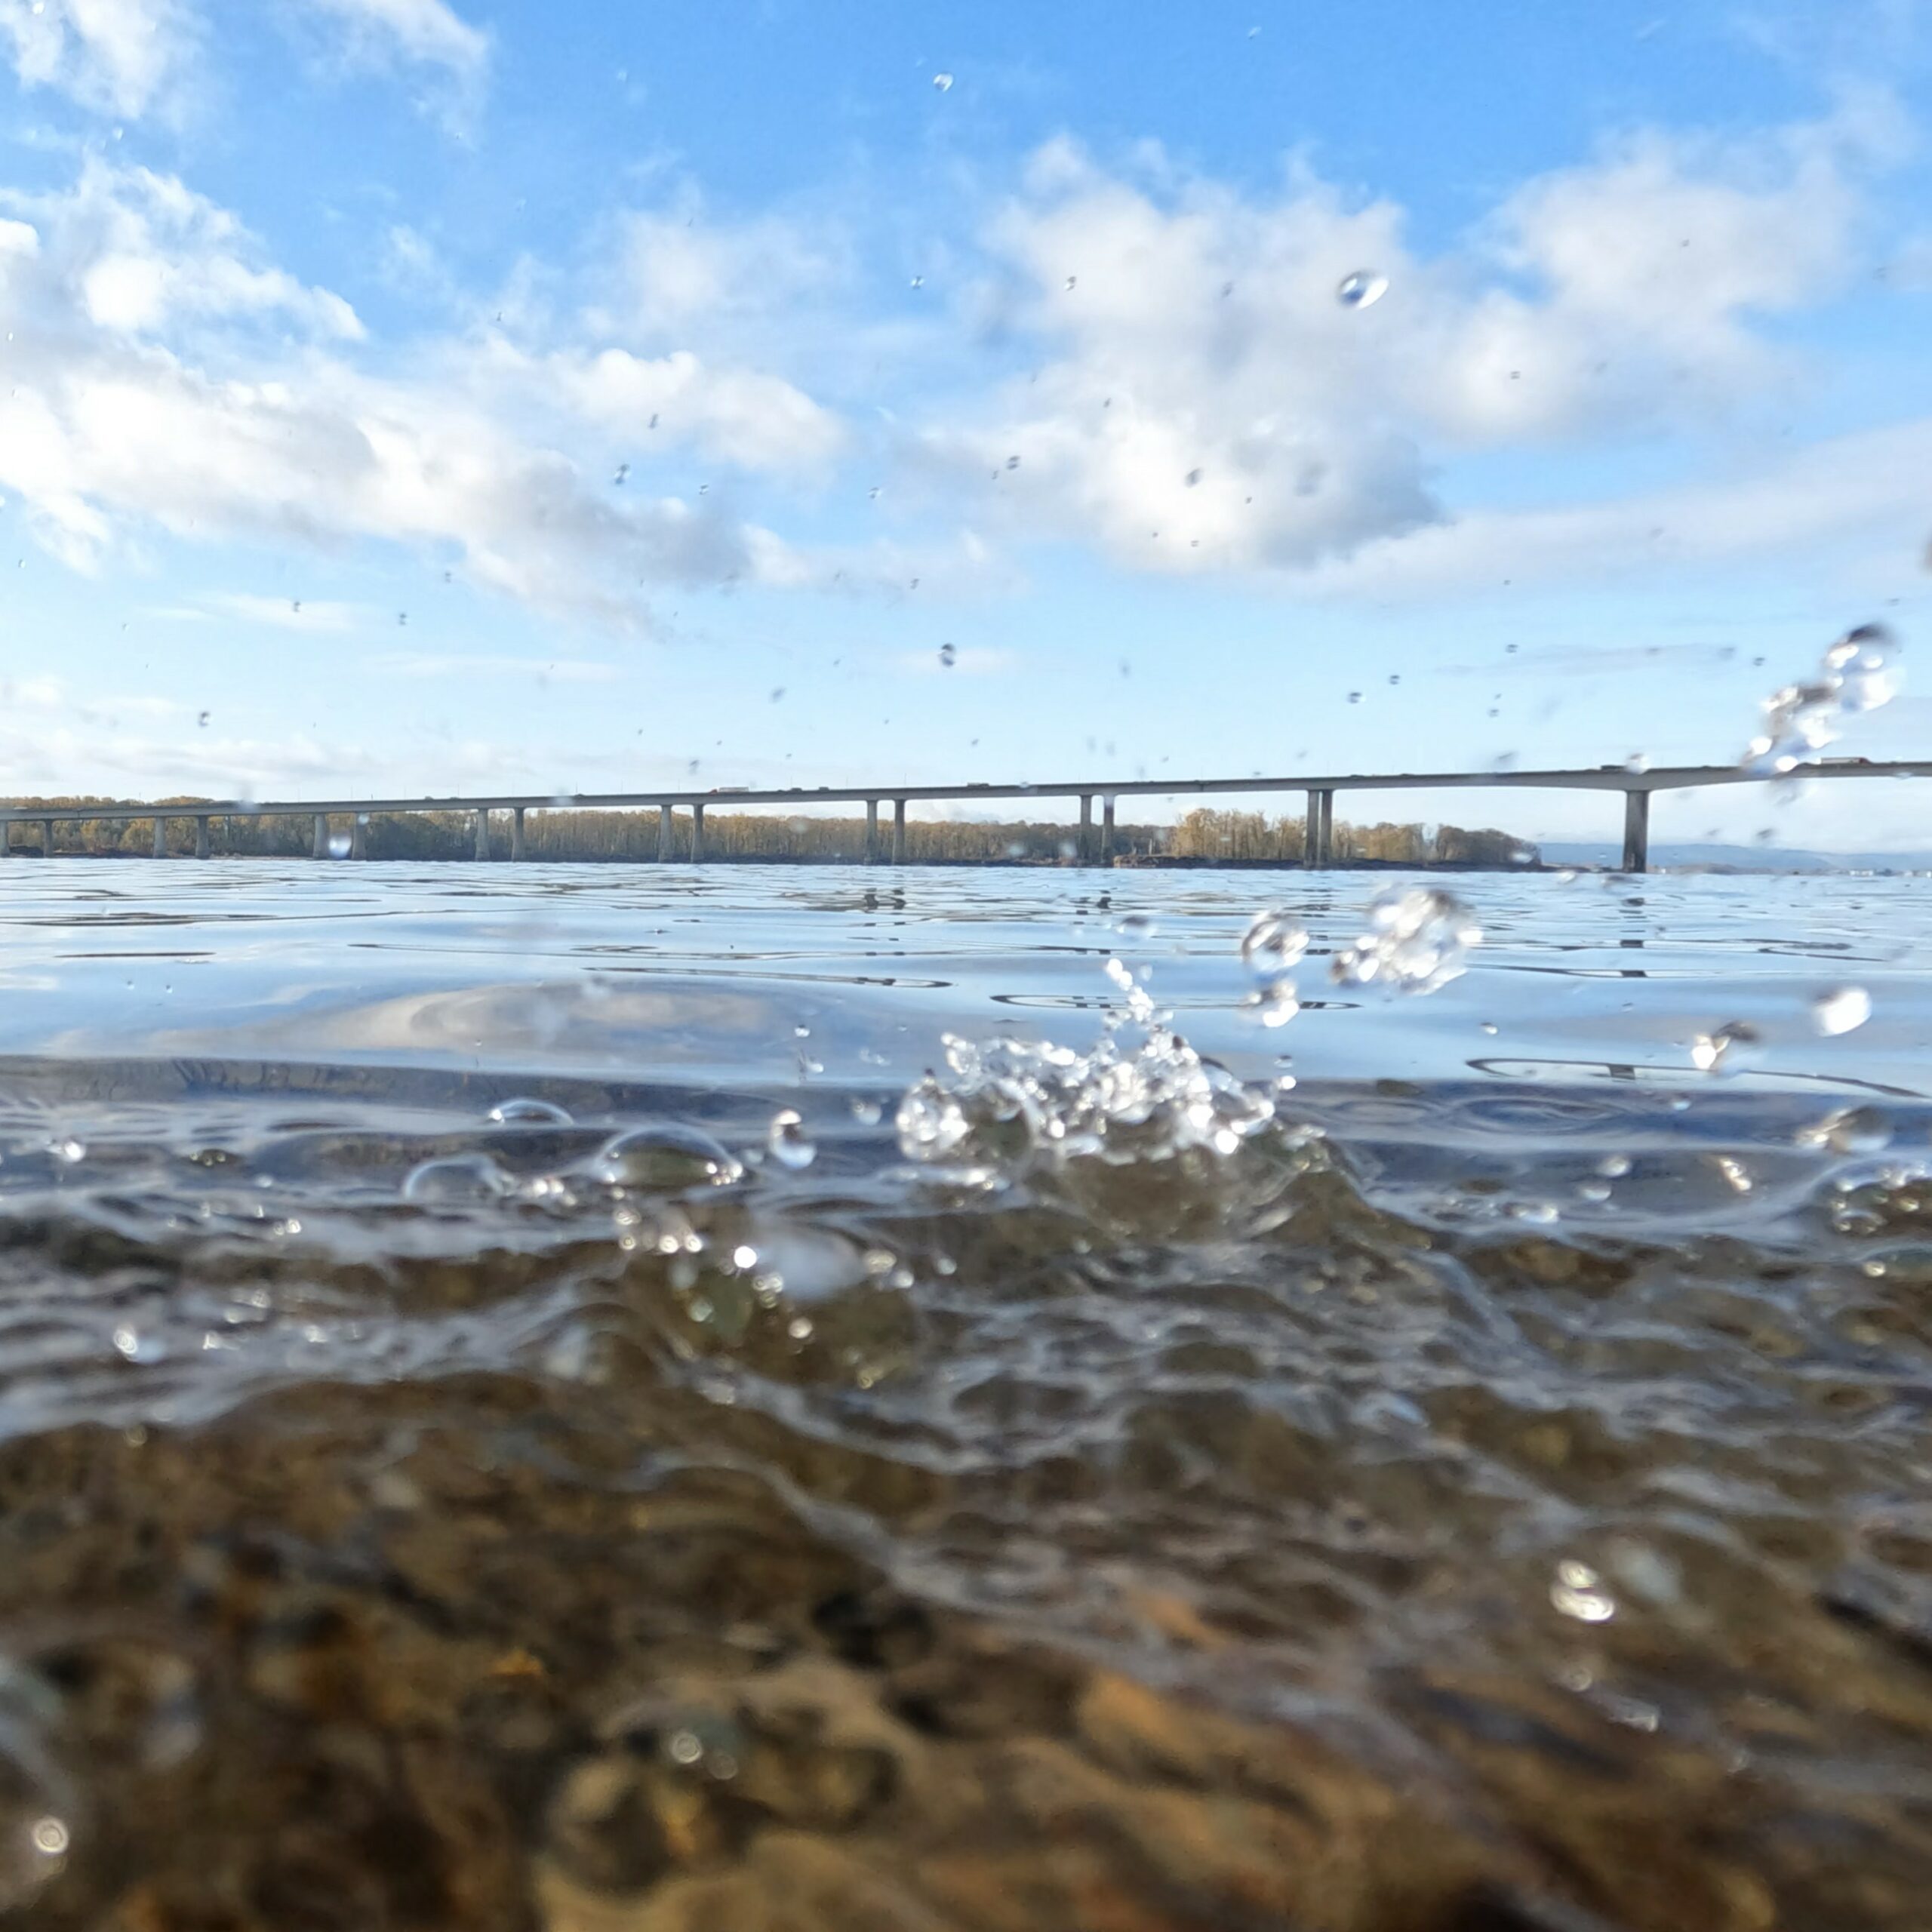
(521, 1112)
(340, 844)
(1637, 762)
(1578, 1591)
(203, 719)
(791, 1146)
(1416, 941)
(918, 281)
(1013, 462)
(1859, 673)
(1355, 697)
(944, 82)
(1843, 1010)
(1272, 947)
(1073, 283)
(1193, 477)
(1850, 1130)
(623, 473)
(948, 656)
(1359, 290)
(1726, 1049)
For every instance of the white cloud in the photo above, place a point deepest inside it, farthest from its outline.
(120, 55)
(543, 670)
(159, 395)
(425, 31)
(291, 614)
(142, 251)
(676, 269)
(742, 416)
(1206, 402)
(1867, 488)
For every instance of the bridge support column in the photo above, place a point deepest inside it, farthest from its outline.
(482, 835)
(1083, 846)
(320, 849)
(359, 836)
(697, 835)
(1636, 831)
(871, 831)
(204, 845)
(1107, 830)
(161, 839)
(666, 852)
(516, 833)
(47, 839)
(1318, 829)
(7, 840)
(898, 832)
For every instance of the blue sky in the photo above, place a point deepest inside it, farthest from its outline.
(429, 395)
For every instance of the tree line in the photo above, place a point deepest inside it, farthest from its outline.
(563, 834)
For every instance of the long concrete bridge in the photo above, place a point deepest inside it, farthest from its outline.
(1095, 842)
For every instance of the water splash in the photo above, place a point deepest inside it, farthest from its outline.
(1416, 941)
(1859, 673)
(1142, 1094)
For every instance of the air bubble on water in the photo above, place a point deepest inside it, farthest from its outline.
(1272, 947)
(1726, 1049)
(340, 845)
(1359, 290)
(948, 656)
(1736, 1175)
(1843, 1010)
(1416, 941)
(867, 1111)
(524, 1112)
(669, 1156)
(1614, 1167)
(456, 1180)
(790, 1145)
(69, 1152)
(1135, 926)
(942, 82)
(1578, 1592)
(139, 1345)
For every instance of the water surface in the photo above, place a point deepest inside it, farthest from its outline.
(1486, 1485)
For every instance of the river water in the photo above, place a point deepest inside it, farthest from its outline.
(509, 1416)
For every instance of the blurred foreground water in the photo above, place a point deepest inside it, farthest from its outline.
(495, 1431)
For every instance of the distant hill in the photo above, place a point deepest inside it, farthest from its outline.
(1738, 858)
